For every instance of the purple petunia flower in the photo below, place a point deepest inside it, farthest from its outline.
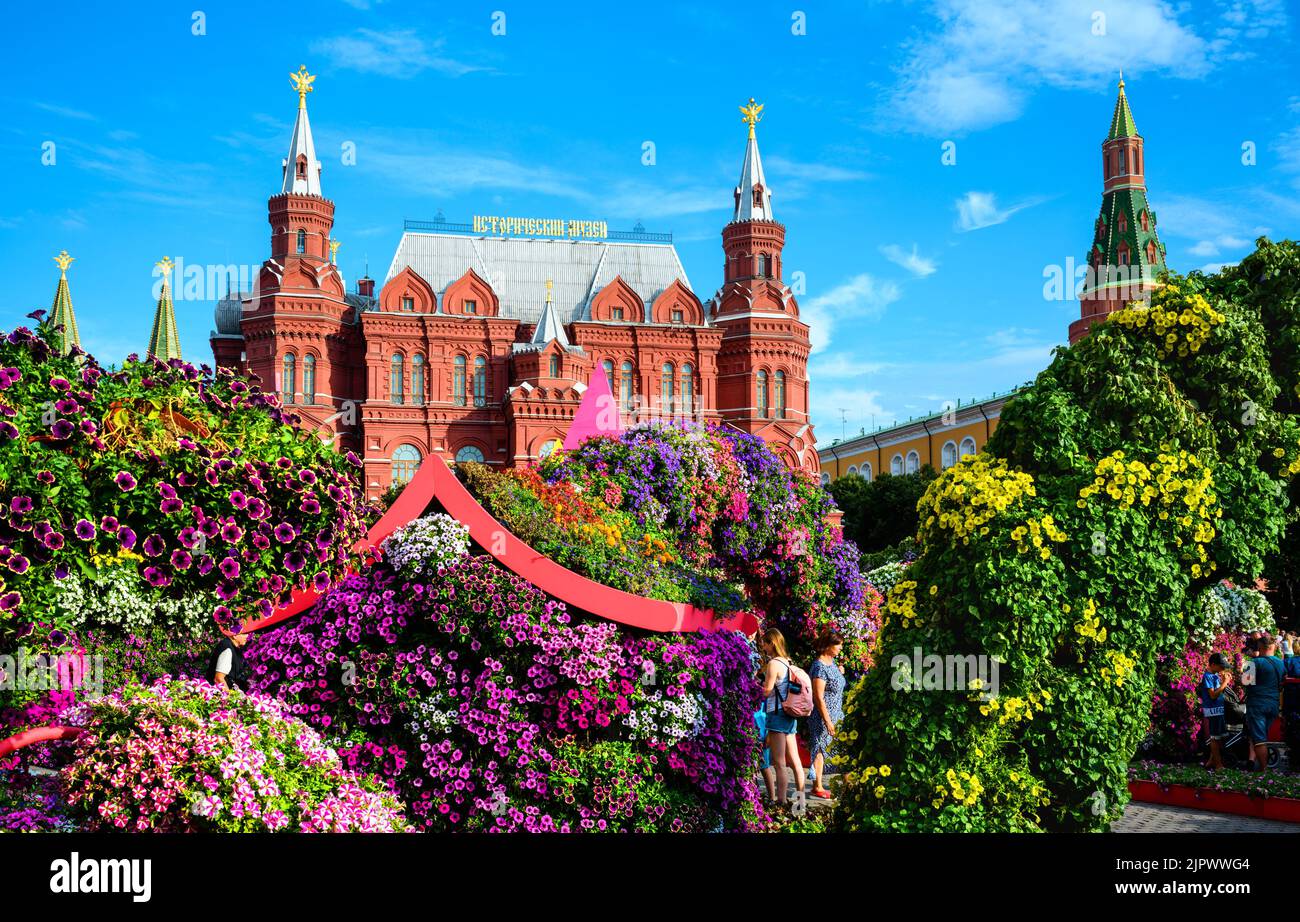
(45, 477)
(154, 545)
(230, 568)
(125, 482)
(61, 570)
(54, 541)
(84, 530)
(171, 506)
(231, 532)
(10, 600)
(294, 561)
(206, 565)
(127, 537)
(284, 533)
(21, 505)
(108, 524)
(60, 384)
(181, 559)
(321, 581)
(238, 499)
(63, 429)
(227, 591)
(19, 564)
(156, 577)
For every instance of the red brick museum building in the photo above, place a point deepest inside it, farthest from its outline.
(483, 337)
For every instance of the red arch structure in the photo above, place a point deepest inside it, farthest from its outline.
(435, 480)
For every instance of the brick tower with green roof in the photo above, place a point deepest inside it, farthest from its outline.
(1126, 255)
(165, 341)
(61, 314)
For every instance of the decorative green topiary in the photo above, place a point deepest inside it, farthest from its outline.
(1146, 463)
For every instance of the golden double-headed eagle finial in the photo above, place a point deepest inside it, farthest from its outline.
(302, 83)
(64, 260)
(549, 283)
(751, 114)
(165, 265)
(334, 251)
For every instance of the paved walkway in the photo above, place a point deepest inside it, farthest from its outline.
(1143, 817)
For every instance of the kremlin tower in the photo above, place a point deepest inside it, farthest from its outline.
(763, 362)
(1126, 255)
(61, 314)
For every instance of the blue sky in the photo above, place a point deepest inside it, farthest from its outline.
(924, 282)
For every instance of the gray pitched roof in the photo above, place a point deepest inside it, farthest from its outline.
(517, 269)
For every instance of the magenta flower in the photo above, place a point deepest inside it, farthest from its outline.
(84, 530)
(125, 482)
(154, 545)
(229, 568)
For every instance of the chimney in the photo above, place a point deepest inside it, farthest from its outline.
(366, 286)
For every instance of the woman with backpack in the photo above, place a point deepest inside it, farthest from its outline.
(782, 701)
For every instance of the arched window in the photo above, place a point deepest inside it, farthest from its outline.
(548, 449)
(853, 469)
(967, 449)
(780, 395)
(469, 453)
(687, 395)
(1105, 166)
(302, 241)
(627, 387)
(609, 373)
(309, 379)
(865, 472)
(1146, 225)
(417, 379)
(913, 462)
(406, 460)
(949, 456)
(896, 465)
(1132, 160)
(1123, 223)
(1151, 251)
(765, 266)
(288, 377)
(666, 388)
(826, 479)
(397, 379)
(762, 394)
(302, 166)
(458, 381)
(480, 381)
(555, 366)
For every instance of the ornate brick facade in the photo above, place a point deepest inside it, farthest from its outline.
(480, 347)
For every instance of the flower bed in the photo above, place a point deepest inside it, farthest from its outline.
(178, 492)
(188, 756)
(703, 515)
(488, 707)
(1268, 795)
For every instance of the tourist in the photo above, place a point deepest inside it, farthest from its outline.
(1210, 689)
(1263, 694)
(781, 727)
(769, 773)
(227, 667)
(828, 706)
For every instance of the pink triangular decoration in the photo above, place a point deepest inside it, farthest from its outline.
(597, 414)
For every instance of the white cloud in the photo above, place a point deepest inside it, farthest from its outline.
(913, 262)
(1217, 245)
(813, 172)
(843, 411)
(981, 63)
(400, 53)
(842, 365)
(66, 112)
(976, 210)
(861, 297)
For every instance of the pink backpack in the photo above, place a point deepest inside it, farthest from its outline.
(798, 700)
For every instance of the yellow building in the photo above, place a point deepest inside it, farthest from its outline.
(938, 440)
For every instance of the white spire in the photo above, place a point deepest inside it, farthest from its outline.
(752, 180)
(548, 325)
(304, 181)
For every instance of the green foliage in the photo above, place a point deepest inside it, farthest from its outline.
(881, 513)
(1146, 463)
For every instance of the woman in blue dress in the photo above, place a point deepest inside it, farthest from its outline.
(828, 705)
